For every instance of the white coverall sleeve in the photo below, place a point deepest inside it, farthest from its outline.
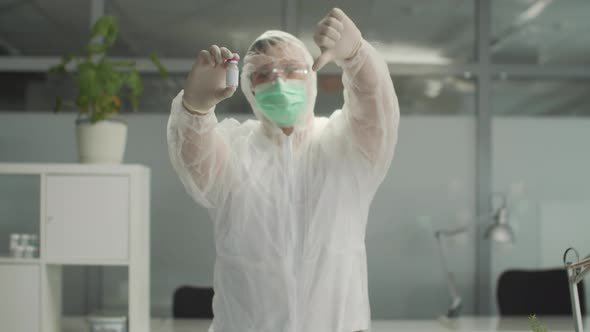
(199, 153)
(370, 115)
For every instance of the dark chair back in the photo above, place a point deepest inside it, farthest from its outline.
(192, 302)
(538, 292)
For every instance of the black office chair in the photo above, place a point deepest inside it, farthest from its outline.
(192, 302)
(538, 292)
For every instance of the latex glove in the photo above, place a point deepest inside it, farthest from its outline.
(337, 37)
(205, 84)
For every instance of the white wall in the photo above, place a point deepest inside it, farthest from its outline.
(544, 163)
(430, 184)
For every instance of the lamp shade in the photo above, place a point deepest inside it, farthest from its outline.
(500, 230)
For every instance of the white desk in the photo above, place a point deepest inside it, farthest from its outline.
(465, 324)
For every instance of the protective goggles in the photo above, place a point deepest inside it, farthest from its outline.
(269, 73)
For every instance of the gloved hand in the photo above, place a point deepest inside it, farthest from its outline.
(337, 37)
(205, 84)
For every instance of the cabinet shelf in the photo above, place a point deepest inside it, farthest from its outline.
(87, 262)
(13, 260)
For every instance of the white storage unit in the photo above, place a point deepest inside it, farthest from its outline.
(101, 216)
(20, 293)
(89, 215)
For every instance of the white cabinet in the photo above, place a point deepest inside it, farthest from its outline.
(87, 218)
(89, 215)
(19, 294)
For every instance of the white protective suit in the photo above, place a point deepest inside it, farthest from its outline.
(290, 212)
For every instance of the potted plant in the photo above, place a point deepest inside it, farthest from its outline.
(101, 86)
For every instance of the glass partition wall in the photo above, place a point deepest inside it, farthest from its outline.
(494, 97)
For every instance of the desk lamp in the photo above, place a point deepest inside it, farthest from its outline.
(499, 231)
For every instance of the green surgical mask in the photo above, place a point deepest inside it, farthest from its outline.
(282, 101)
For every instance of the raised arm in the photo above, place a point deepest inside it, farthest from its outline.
(370, 116)
(198, 146)
(371, 109)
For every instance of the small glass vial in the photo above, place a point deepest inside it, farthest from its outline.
(35, 244)
(29, 252)
(34, 240)
(14, 243)
(18, 252)
(232, 72)
(25, 239)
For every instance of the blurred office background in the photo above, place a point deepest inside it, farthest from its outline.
(494, 96)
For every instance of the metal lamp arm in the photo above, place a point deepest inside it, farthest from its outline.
(576, 272)
(456, 300)
(500, 218)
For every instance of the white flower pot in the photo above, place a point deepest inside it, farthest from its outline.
(102, 142)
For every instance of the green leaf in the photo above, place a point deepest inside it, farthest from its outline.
(87, 80)
(536, 326)
(96, 111)
(109, 79)
(95, 116)
(58, 104)
(106, 27)
(134, 83)
(133, 101)
(156, 61)
(95, 48)
(58, 69)
(82, 102)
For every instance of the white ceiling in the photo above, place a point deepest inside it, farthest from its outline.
(423, 31)
(558, 35)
